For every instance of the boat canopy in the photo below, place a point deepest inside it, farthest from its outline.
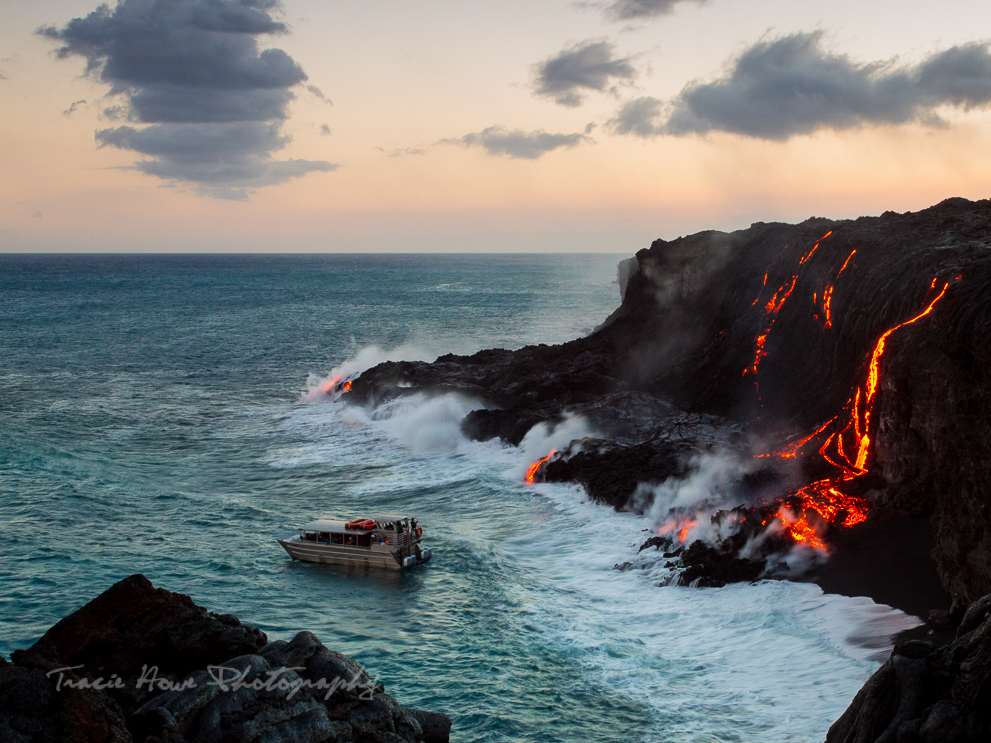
(339, 527)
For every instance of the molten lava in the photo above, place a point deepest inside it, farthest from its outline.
(844, 442)
(329, 387)
(679, 526)
(532, 472)
(773, 307)
(332, 386)
(845, 449)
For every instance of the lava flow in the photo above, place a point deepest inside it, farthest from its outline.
(844, 442)
(845, 449)
(679, 526)
(331, 386)
(532, 472)
(773, 307)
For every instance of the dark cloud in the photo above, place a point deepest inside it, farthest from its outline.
(589, 65)
(640, 117)
(792, 86)
(223, 160)
(632, 10)
(73, 108)
(516, 143)
(191, 70)
(319, 94)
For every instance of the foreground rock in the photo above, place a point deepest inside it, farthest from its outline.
(140, 664)
(925, 694)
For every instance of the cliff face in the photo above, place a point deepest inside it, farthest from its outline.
(925, 694)
(755, 338)
(931, 428)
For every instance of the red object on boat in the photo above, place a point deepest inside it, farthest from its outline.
(364, 524)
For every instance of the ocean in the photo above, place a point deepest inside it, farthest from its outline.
(160, 414)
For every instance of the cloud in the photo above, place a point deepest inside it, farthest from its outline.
(640, 117)
(73, 108)
(589, 65)
(319, 94)
(631, 10)
(192, 72)
(516, 143)
(223, 160)
(791, 86)
(400, 151)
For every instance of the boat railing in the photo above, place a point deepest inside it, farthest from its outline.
(397, 540)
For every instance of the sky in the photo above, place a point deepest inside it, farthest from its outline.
(538, 126)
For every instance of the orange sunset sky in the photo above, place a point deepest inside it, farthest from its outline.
(451, 126)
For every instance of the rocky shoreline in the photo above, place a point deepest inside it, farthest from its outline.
(742, 345)
(842, 366)
(140, 664)
(829, 377)
(926, 693)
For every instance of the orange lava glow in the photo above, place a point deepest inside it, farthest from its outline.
(532, 472)
(846, 449)
(347, 385)
(845, 263)
(801, 530)
(329, 387)
(827, 306)
(680, 526)
(773, 307)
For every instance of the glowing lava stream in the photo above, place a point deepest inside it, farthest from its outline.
(332, 385)
(823, 496)
(679, 526)
(532, 472)
(773, 307)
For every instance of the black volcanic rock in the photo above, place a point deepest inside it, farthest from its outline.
(133, 624)
(686, 331)
(215, 680)
(925, 694)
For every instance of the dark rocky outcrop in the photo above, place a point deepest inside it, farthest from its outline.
(686, 330)
(206, 677)
(927, 694)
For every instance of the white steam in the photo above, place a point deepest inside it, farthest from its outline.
(545, 437)
(420, 423)
(320, 387)
(707, 486)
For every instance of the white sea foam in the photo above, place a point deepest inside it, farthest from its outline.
(544, 438)
(363, 360)
(776, 661)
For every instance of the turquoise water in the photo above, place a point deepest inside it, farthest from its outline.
(157, 416)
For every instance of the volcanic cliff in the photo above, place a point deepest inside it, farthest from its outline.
(847, 359)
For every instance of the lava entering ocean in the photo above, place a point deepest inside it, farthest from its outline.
(334, 386)
(838, 451)
(847, 443)
(535, 467)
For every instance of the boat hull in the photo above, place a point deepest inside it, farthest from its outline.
(329, 554)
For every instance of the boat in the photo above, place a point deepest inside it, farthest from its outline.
(387, 542)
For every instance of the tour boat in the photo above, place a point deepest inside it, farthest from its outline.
(387, 542)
